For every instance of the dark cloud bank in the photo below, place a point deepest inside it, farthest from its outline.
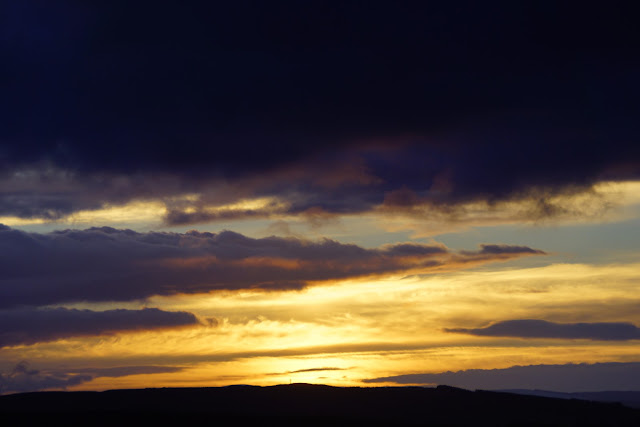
(28, 326)
(110, 102)
(533, 328)
(106, 264)
(563, 378)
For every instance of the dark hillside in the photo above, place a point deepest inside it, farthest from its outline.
(304, 404)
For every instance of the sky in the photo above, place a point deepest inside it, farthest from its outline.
(352, 193)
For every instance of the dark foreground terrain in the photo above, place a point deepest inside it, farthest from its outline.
(304, 404)
(627, 398)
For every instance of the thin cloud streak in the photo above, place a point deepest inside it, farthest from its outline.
(534, 328)
(29, 326)
(124, 371)
(564, 378)
(301, 371)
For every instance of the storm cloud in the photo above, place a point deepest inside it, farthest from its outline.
(107, 264)
(533, 328)
(28, 326)
(324, 108)
(564, 378)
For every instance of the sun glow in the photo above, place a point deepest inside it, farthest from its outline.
(348, 331)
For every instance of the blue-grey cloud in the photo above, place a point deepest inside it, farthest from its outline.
(28, 325)
(563, 378)
(507, 249)
(22, 378)
(533, 328)
(106, 264)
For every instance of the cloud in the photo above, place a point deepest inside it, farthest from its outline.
(315, 370)
(106, 264)
(506, 249)
(23, 379)
(178, 217)
(32, 194)
(123, 371)
(28, 326)
(300, 371)
(532, 328)
(564, 378)
(313, 114)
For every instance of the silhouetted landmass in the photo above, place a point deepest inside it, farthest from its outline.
(627, 398)
(304, 404)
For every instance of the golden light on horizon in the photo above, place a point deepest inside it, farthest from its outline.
(345, 332)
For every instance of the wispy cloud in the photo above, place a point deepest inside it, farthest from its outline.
(301, 371)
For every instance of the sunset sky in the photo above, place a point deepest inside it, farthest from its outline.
(352, 193)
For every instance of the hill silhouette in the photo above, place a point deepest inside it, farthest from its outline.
(305, 404)
(627, 398)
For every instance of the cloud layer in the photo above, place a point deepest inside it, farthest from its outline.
(533, 328)
(106, 264)
(447, 104)
(564, 378)
(28, 326)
